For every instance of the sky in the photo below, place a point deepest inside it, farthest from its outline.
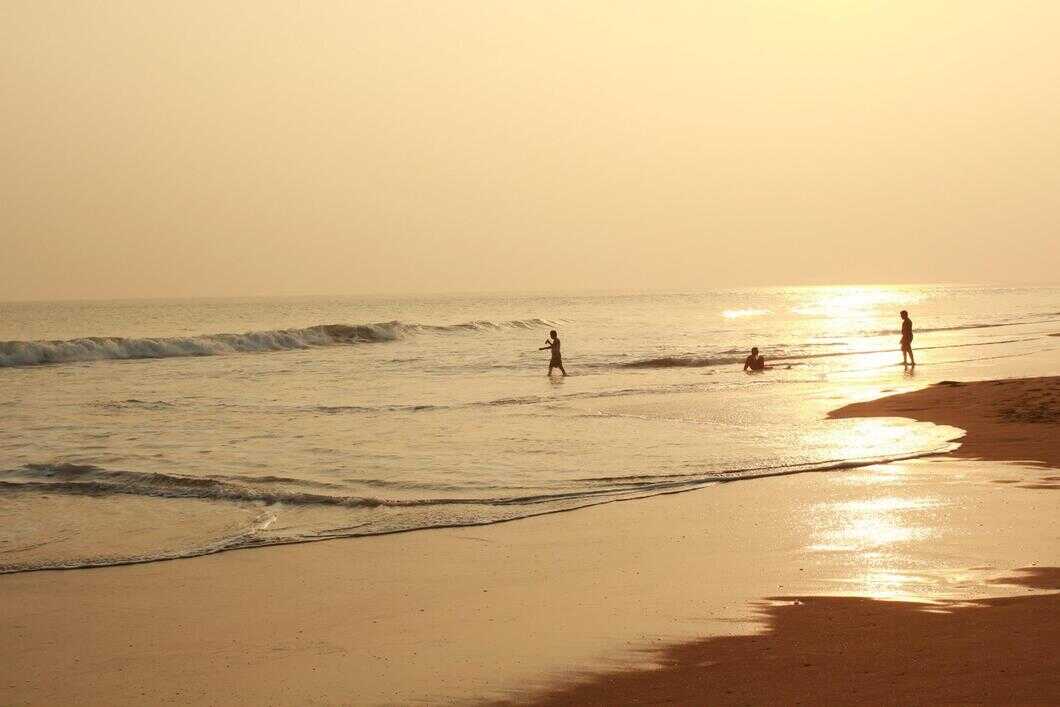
(260, 147)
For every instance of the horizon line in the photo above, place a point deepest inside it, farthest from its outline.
(409, 294)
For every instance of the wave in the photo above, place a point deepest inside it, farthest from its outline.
(30, 353)
(136, 404)
(705, 361)
(506, 402)
(481, 325)
(528, 400)
(722, 358)
(682, 362)
(96, 481)
(89, 480)
(246, 537)
(340, 409)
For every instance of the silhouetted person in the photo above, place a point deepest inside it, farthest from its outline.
(907, 340)
(557, 357)
(754, 362)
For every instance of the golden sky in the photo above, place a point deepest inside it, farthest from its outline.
(255, 147)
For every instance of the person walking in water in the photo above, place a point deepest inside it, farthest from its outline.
(907, 339)
(754, 362)
(557, 357)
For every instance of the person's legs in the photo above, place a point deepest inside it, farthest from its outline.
(562, 369)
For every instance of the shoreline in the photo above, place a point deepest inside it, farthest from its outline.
(515, 612)
(1002, 419)
(853, 650)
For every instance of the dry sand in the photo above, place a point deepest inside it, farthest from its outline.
(511, 611)
(842, 650)
(1011, 420)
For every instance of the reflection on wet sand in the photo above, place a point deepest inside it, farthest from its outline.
(890, 538)
(877, 534)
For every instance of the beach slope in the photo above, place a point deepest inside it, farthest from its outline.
(585, 607)
(1005, 420)
(853, 650)
(848, 650)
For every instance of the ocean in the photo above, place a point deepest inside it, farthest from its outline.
(136, 431)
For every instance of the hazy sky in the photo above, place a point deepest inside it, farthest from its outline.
(186, 148)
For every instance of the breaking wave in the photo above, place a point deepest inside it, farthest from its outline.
(30, 353)
(682, 362)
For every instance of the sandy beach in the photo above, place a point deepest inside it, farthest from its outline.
(1005, 420)
(391, 353)
(845, 650)
(606, 604)
(837, 650)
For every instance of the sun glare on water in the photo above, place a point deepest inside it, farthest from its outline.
(851, 302)
(741, 313)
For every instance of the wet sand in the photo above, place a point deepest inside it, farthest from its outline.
(852, 650)
(519, 611)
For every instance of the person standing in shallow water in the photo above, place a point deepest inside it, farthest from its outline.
(907, 339)
(557, 358)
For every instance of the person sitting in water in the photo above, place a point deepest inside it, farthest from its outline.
(754, 362)
(557, 358)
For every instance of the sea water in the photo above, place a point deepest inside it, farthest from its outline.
(135, 431)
